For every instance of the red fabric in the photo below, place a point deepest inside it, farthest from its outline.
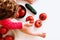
(11, 25)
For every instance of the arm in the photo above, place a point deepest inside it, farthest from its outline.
(27, 31)
(27, 24)
(7, 23)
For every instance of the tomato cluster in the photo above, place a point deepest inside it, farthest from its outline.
(38, 23)
(4, 31)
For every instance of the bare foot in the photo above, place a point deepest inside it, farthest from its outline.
(31, 1)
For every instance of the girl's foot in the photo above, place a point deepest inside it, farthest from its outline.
(31, 1)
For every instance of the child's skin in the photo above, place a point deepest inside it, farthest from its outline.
(27, 31)
(31, 1)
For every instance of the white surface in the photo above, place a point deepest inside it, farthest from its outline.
(51, 26)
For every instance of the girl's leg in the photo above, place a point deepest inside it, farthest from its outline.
(31, 1)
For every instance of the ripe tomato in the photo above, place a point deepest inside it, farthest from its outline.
(43, 16)
(21, 13)
(3, 30)
(38, 23)
(8, 37)
(30, 18)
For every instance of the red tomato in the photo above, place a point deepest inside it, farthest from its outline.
(21, 13)
(3, 30)
(43, 16)
(38, 23)
(8, 37)
(30, 18)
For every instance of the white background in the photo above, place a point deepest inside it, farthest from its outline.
(51, 26)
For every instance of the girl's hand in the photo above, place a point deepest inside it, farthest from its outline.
(43, 35)
(28, 24)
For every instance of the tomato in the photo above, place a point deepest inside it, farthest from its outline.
(43, 16)
(38, 23)
(3, 30)
(30, 18)
(21, 13)
(8, 37)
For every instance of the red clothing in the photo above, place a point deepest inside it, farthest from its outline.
(11, 25)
